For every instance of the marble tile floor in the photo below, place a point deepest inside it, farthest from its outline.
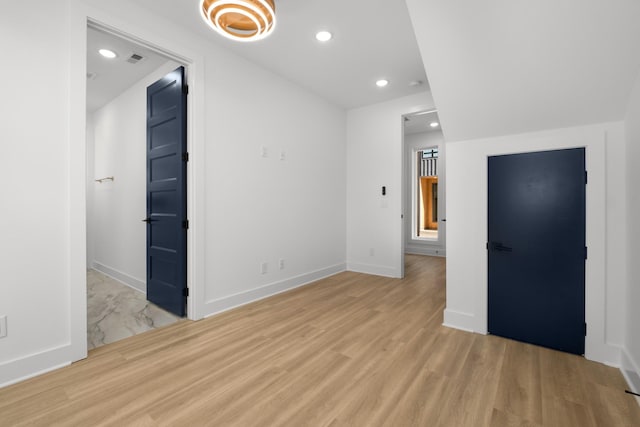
(116, 311)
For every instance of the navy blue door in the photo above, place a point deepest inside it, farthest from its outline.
(167, 192)
(537, 249)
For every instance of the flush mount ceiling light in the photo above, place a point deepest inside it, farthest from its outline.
(240, 20)
(323, 36)
(107, 53)
(382, 83)
(434, 124)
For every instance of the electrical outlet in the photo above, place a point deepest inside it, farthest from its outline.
(283, 155)
(264, 267)
(264, 151)
(3, 326)
(281, 264)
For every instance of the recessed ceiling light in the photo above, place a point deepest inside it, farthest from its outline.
(434, 124)
(323, 36)
(382, 83)
(107, 53)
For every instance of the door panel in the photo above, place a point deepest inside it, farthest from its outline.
(536, 248)
(166, 193)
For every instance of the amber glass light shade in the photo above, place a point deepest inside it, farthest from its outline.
(240, 20)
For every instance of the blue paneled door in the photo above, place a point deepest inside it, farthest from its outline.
(167, 192)
(536, 248)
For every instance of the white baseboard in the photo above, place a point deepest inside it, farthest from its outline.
(376, 270)
(425, 250)
(220, 305)
(631, 372)
(608, 354)
(121, 277)
(27, 367)
(458, 320)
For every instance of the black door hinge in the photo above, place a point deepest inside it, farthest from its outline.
(185, 224)
(586, 250)
(185, 89)
(487, 245)
(586, 177)
(185, 292)
(185, 157)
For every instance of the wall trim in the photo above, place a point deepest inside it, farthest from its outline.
(21, 369)
(124, 278)
(459, 320)
(425, 250)
(608, 354)
(219, 305)
(376, 270)
(630, 371)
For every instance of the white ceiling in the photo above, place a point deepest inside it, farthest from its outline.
(501, 67)
(108, 78)
(421, 122)
(495, 67)
(372, 40)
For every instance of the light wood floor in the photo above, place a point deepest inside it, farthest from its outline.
(349, 350)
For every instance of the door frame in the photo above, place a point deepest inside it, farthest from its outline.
(436, 247)
(81, 17)
(594, 142)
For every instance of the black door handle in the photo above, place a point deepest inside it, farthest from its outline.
(148, 220)
(497, 246)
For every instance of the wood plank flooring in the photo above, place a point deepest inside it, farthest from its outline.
(350, 350)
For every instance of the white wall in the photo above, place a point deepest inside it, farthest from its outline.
(507, 67)
(35, 219)
(606, 218)
(632, 338)
(248, 209)
(90, 189)
(254, 209)
(375, 159)
(263, 209)
(118, 236)
(412, 143)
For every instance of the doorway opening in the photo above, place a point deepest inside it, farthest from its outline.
(117, 305)
(424, 184)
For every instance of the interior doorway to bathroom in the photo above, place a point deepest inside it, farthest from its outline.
(118, 74)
